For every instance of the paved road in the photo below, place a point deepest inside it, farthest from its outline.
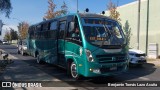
(32, 71)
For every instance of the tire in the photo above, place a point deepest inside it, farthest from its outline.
(73, 71)
(39, 61)
(18, 51)
(140, 65)
(35, 54)
(22, 52)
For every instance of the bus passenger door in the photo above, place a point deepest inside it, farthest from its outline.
(61, 43)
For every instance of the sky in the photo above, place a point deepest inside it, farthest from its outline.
(32, 11)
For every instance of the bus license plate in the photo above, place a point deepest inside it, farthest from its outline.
(113, 68)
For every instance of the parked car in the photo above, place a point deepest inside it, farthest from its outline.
(22, 47)
(1, 42)
(137, 57)
(5, 42)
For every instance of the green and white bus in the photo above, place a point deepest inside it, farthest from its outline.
(88, 45)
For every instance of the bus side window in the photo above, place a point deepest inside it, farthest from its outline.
(32, 34)
(70, 29)
(62, 29)
(74, 31)
(53, 25)
(45, 26)
(29, 30)
(38, 27)
(53, 30)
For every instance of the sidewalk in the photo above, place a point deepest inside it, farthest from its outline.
(156, 62)
(21, 71)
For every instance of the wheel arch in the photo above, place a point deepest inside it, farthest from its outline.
(69, 60)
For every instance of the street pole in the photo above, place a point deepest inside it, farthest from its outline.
(147, 27)
(138, 26)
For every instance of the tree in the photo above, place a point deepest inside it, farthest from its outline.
(23, 29)
(64, 8)
(51, 10)
(63, 11)
(7, 36)
(51, 13)
(127, 31)
(13, 34)
(114, 14)
(5, 7)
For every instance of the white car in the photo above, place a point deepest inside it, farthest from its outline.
(22, 47)
(137, 57)
(5, 42)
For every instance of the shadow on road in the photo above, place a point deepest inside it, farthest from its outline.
(26, 73)
(59, 73)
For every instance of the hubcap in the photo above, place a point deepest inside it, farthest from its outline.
(74, 70)
(22, 52)
(38, 59)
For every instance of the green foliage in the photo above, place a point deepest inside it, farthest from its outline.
(23, 29)
(11, 35)
(5, 7)
(14, 35)
(7, 36)
(127, 31)
(51, 13)
(51, 10)
(64, 8)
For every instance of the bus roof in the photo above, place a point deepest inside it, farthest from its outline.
(91, 15)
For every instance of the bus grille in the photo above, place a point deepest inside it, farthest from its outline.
(106, 70)
(139, 55)
(111, 58)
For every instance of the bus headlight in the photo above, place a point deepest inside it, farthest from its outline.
(89, 56)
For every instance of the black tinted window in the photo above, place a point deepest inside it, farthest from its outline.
(62, 29)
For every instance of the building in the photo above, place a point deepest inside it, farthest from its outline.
(130, 12)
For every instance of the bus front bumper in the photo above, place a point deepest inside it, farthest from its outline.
(106, 69)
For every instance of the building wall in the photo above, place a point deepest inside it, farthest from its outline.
(130, 12)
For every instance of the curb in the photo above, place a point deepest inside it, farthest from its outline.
(155, 62)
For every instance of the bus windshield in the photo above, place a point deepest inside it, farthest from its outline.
(101, 32)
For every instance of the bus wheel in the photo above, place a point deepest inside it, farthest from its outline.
(38, 60)
(35, 54)
(18, 52)
(22, 52)
(73, 69)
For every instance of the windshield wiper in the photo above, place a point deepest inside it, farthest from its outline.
(98, 31)
(107, 29)
(106, 34)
